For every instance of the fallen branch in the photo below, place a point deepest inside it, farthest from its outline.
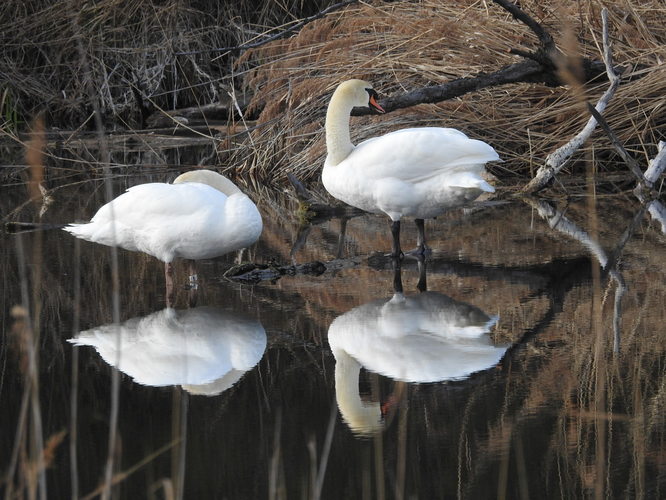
(557, 159)
(624, 154)
(645, 181)
(656, 167)
(528, 71)
(208, 112)
(520, 15)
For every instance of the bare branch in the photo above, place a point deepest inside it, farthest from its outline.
(655, 169)
(524, 71)
(544, 37)
(628, 159)
(657, 164)
(557, 159)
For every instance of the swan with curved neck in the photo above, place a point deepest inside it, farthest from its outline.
(413, 172)
(200, 216)
(423, 338)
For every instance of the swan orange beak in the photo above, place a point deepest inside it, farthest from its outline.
(374, 104)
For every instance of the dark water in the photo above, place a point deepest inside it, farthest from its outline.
(308, 386)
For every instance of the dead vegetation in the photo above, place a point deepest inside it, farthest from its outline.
(405, 46)
(143, 55)
(147, 60)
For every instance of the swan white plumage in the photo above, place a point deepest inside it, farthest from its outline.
(413, 172)
(205, 349)
(427, 337)
(200, 216)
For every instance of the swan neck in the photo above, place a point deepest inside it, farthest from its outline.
(338, 141)
(360, 416)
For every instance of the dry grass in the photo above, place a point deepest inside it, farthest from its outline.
(161, 48)
(404, 46)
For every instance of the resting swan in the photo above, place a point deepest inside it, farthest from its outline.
(205, 350)
(200, 216)
(413, 172)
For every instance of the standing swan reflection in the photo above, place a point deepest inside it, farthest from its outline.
(427, 337)
(204, 349)
(413, 172)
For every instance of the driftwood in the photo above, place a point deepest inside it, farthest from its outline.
(222, 110)
(557, 159)
(645, 182)
(644, 192)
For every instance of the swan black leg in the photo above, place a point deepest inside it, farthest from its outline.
(395, 231)
(422, 285)
(193, 281)
(168, 279)
(193, 284)
(421, 247)
(397, 275)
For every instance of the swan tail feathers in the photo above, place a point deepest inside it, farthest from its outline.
(82, 231)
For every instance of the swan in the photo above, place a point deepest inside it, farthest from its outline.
(422, 338)
(413, 172)
(200, 216)
(205, 349)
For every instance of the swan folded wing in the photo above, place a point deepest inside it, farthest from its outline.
(418, 154)
(152, 217)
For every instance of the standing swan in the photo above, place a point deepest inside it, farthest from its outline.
(414, 172)
(201, 215)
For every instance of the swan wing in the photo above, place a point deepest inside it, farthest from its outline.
(148, 203)
(417, 154)
(162, 211)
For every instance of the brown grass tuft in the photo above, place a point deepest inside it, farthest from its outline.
(403, 46)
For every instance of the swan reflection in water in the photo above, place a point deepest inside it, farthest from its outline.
(426, 337)
(206, 350)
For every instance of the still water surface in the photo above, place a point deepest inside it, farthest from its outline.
(524, 358)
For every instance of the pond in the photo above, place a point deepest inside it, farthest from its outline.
(524, 358)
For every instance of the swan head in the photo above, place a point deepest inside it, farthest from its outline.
(210, 178)
(358, 93)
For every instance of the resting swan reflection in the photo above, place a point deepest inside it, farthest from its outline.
(427, 337)
(205, 349)
(413, 172)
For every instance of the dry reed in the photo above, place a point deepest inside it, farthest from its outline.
(163, 51)
(403, 46)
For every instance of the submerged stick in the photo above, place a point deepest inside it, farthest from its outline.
(29, 227)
